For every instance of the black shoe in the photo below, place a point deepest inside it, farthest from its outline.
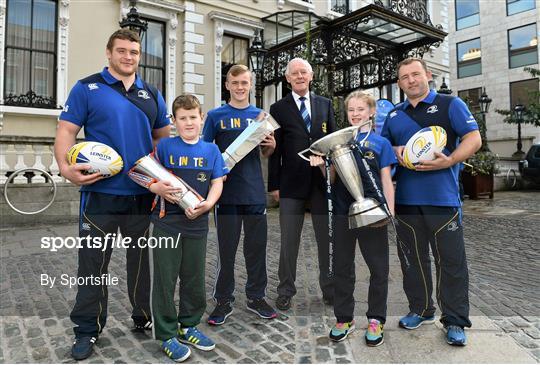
(283, 302)
(82, 347)
(141, 326)
(328, 300)
(220, 313)
(262, 308)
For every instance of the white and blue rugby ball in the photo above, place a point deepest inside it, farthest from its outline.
(423, 145)
(99, 156)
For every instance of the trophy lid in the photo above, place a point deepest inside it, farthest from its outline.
(329, 142)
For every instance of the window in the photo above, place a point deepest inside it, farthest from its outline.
(469, 58)
(471, 97)
(518, 6)
(152, 63)
(523, 46)
(234, 52)
(340, 6)
(30, 54)
(467, 13)
(523, 92)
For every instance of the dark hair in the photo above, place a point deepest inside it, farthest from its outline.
(408, 61)
(187, 102)
(124, 34)
(236, 70)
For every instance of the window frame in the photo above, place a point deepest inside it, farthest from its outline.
(475, 108)
(457, 19)
(519, 12)
(163, 68)
(526, 103)
(510, 51)
(48, 102)
(458, 61)
(224, 90)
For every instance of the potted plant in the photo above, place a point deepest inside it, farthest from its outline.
(477, 176)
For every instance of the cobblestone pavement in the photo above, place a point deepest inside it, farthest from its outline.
(504, 262)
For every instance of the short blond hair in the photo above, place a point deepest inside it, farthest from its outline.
(358, 94)
(236, 70)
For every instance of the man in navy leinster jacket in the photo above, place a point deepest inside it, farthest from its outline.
(304, 118)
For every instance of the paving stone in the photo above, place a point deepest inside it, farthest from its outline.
(322, 355)
(323, 341)
(532, 332)
(258, 356)
(339, 349)
(342, 360)
(40, 354)
(286, 358)
(63, 352)
(305, 360)
(278, 339)
(525, 340)
(36, 342)
(246, 360)
(291, 347)
(520, 322)
(103, 342)
(33, 332)
(110, 353)
(270, 347)
(11, 330)
(230, 352)
(255, 337)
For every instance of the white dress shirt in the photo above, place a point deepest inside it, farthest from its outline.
(307, 102)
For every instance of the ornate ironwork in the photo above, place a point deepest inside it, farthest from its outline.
(340, 49)
(32, 100)
(341, 6)
(414, 9)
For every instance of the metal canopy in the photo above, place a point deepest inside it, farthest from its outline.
(358, 50)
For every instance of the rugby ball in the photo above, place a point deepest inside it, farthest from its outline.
(423, 145)
(101, 157)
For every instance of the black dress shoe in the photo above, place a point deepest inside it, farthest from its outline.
(283, 302)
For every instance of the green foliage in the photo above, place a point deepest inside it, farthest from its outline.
(532, 113)
(482, 162)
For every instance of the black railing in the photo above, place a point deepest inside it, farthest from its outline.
(341, 6)
(31, 100)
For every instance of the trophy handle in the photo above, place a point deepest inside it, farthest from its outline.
(302, 156)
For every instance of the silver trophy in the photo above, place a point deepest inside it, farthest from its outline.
(250, 138)
(148, 170)
(337, 146)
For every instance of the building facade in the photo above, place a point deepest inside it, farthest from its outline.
(491, 42)
(46, 46)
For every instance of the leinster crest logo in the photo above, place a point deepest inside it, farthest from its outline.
(201, 176)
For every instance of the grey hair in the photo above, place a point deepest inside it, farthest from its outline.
(306, 63)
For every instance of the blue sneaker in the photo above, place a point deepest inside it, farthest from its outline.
(192, 336)
(455, 335)
(412, 321)
(82, 347)
(175, 350)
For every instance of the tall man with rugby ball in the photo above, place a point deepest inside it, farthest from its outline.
(428, 206)
(117, 108)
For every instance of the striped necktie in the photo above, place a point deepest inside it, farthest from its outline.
(304, 112)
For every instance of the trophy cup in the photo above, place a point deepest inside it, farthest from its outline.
(364, 211)
(249, 139)
(148, 170)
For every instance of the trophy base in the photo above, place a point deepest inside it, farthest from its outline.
(366, 213)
